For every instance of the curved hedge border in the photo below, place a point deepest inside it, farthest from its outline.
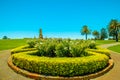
(22, 49)
(66, 67)
(42, 77)
(101, 51)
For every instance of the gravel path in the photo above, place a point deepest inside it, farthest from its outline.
(8, 74)
(113, 74)
(5, 72)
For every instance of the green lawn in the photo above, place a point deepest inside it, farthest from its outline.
(115, 48)
(101, 42)
(12, 43)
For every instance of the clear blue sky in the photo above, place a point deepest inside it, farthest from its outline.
(57, 18)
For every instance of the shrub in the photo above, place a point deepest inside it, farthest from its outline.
(61, 50)
(50, 49)
(31, 43)
(92, 45)
(78, 49)
(64, 47)
(74, 57)
(41, 49)
(60, 66)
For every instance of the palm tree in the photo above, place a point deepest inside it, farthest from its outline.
(96, 34)
(114, 27)
(85, 31)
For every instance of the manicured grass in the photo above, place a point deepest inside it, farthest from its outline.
(115, 48)
(11, 43)
(101, 42)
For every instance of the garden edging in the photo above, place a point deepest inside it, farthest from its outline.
(43, 77)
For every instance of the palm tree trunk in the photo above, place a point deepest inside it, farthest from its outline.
(116, 37)
(116, 34)
(86, 36)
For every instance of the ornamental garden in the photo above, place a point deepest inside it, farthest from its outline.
(61, 59)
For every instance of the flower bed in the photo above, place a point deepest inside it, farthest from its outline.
(63, 58)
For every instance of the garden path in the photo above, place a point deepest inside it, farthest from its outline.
(8, 74)
(5, 72)
(114, 73)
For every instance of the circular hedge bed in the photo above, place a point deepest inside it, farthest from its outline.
(66, 67)
(66, 58)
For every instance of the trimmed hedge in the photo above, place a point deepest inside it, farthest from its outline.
(22, 49)
(60, 66)
(101, 51)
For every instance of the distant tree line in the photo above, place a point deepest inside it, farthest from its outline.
(113, 30)
(5, 37)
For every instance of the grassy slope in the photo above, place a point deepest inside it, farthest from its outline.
(12, 43)
(115, 48)
(101, 42)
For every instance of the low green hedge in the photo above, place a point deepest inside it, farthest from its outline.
(101, 51)
(22, 49)
(60, 66)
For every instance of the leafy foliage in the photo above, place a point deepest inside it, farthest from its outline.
(96, 34)
(5, 37)
(103, 33)
(92, 45)
(61, 57)
(114, 28)
(64, 47)
(60, 66)
(31, 43)
(85, 31)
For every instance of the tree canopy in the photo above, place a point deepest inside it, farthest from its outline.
(96, 34)
(5, 37)
(103, 34)
(85, 31)
(114, 28)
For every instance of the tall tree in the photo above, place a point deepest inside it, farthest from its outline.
(103, 34)
(5, 37)
(96, 34)
(40, 34)
(85, 31)
(114, 27)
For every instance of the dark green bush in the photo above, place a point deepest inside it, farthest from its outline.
(31, 43)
